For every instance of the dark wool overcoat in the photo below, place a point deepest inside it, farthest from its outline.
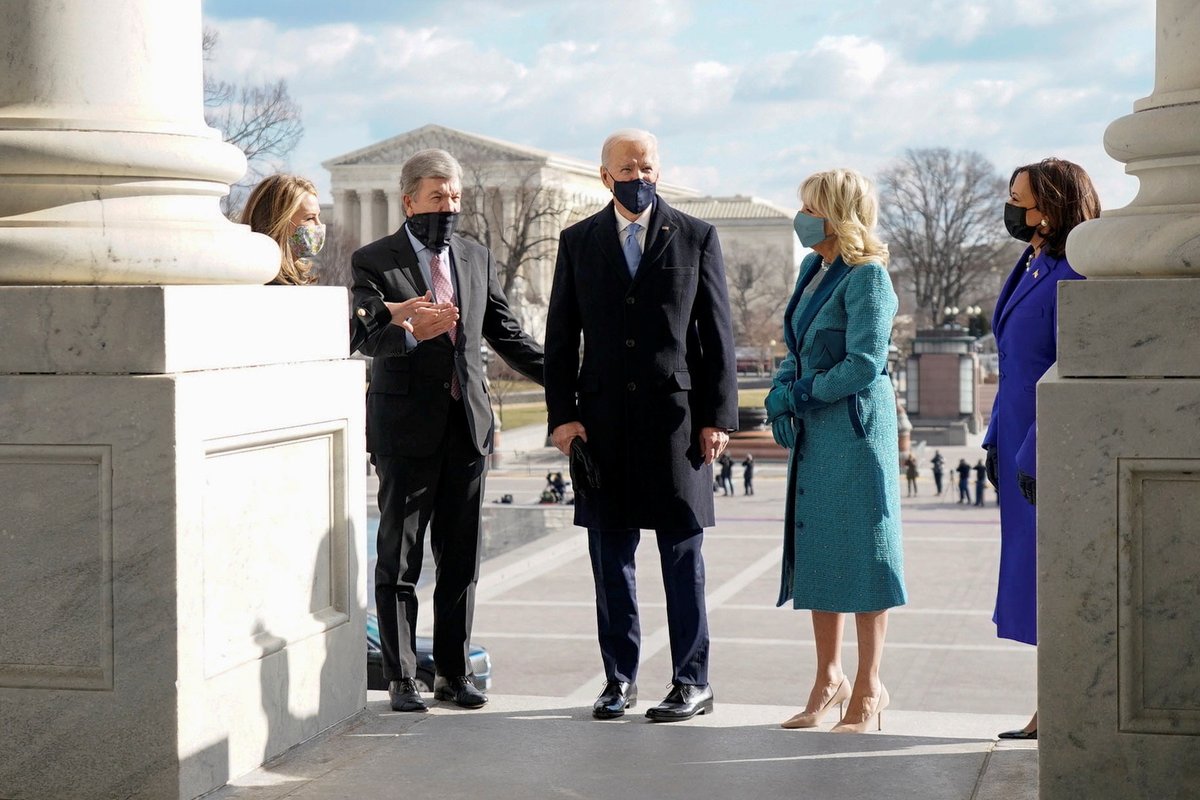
(656, 365)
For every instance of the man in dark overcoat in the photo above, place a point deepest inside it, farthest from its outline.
(654, 397)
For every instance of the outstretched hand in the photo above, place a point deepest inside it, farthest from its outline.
(423, 318)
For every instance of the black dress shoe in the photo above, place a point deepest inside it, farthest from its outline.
(684, 701)
(1020, 733)
(616, 697)
(459, 691)
(405, 696)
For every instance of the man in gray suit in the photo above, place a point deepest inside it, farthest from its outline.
(429, 418)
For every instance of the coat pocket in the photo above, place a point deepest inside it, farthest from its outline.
(680, 381)
(854, 408)
(829, 348)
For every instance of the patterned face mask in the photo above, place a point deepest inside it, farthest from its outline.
(307, 240)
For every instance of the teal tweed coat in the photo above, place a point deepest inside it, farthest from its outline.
(842, 550)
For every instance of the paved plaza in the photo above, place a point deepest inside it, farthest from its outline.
(953, 684)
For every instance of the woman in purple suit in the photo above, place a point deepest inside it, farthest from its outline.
(1046, 201)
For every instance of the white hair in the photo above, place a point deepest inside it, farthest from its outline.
(627, 135)
(428, 164)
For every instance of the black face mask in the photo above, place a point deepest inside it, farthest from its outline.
(636, 195)
(433, 228)
(1014, 220)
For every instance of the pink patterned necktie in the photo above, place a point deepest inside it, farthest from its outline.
(443, 292)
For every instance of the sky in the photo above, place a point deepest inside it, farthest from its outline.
(745, 98)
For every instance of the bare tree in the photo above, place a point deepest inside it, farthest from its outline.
(760, 280)
(940, 212)
(519, 224)
(262, 120)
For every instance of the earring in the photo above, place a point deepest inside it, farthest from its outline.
(1043, 223)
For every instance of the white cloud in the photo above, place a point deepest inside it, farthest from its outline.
(737, 117)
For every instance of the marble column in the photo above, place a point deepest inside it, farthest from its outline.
(108, 173)
(395, 210)
(368, 213)
(1119, 466)
(182, 509)
(341, 209)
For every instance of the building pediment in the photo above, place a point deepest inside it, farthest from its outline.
(468, 148)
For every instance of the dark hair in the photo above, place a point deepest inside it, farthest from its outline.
(1065, 194)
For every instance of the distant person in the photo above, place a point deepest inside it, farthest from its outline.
(910, 474)
(726, 464)
(654, 397)
(560, 486)
(429, 420)
(1046, 201)
(939, 466)
(980, 481)
(748, 474)
(832, 405)
(964, 481)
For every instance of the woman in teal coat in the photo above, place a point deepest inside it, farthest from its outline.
(833, 407)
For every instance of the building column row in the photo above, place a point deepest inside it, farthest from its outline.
(367, 214)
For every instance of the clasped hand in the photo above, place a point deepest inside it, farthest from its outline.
(423, 318)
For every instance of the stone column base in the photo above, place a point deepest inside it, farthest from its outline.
(1119, 546)
(183, 592)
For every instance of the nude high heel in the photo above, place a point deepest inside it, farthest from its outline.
(803, 720)
(873, 720)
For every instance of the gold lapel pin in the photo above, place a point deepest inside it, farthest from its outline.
(1035, 273)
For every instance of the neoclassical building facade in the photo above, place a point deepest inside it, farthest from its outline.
(518, 198)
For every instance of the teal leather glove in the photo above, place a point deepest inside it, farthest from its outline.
(778, 403)
(783, 428)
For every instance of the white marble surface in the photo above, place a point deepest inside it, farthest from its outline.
(1119, 698)
(1159, 232)
(160, 329)
(280, 591)
(1119, 327)
(111, 175)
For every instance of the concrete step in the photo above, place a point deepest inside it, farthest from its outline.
(521, 747)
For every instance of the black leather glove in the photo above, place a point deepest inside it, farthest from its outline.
(990, 464)
(1028, 486)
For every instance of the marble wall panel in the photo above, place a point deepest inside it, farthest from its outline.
(56, 598)
(1118, 569)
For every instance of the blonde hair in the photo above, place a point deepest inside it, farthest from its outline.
(269, 210)
(847, 200)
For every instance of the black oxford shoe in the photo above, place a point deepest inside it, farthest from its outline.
(684, 701)
(459, 691)
(1020, 733)
(616, 697)
(404, 696)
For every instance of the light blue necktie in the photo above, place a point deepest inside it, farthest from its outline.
(633, 252)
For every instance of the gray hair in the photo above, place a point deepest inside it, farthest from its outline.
(428, 164)
(627, 135)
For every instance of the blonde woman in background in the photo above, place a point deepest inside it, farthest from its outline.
(832, 406)
(285, 207)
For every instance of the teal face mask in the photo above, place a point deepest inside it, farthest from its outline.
(810, 229)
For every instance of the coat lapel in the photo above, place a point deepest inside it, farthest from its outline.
(1039, 271)
(837, 271)
(604, 233)
(406, 262)
(662, 229)
(467, 273)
